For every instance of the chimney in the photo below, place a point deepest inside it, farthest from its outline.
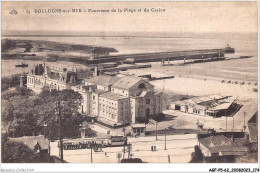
(90, 89)
(38, 70)
(96, 71)
(100, 71)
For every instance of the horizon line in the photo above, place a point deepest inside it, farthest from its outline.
(69, 35)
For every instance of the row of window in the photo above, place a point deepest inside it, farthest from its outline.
(196, 111)
(52, 85)
(30, 80)
(109, 115)
(103, 101)
(121, 93)
(107, 108)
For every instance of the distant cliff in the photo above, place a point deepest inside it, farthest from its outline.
(40, 46)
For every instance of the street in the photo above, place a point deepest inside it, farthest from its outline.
(178, 148)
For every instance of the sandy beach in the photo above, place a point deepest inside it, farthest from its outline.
(205, 78)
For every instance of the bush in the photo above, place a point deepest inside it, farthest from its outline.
(142, 120)
(158, 117)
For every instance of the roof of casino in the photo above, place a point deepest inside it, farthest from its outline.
(126, 82)
(112, 96)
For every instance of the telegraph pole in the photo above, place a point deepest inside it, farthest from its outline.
(124, 138)
(91, 153)
(226, 120)
(244, 121)
(156, 129)
(165, 141)
(233, 130)
(60, 133)
(129, 148)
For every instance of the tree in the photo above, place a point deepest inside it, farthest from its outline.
(158, 117)
(17, 152)
(9, 82)
(142, 120)
(197, 156)
(24, 114)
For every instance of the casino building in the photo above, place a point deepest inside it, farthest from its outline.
(115, 101)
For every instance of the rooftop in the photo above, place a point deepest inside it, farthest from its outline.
(97, 91)
(111, 96)
(213, 141)
(138, 125)
(103, 80)
(126, 82)
(108, 122)
(222, 145)
(31, 141)
(212, 102)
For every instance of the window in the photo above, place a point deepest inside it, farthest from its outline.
(141, 86)
(147, 101)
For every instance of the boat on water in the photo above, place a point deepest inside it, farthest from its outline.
(228, 49)
(21, 65)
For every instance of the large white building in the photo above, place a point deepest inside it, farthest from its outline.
(115, 101)
(59, 79)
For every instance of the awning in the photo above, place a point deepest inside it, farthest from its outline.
(222, 106)
(108, 122)
(138, 125)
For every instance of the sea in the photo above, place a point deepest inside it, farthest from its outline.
(244, 44)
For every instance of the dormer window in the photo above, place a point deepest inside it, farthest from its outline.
(141, 86)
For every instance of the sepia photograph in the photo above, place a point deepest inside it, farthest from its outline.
(129, 82)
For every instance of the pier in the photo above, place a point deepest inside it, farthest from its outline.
(164, 56)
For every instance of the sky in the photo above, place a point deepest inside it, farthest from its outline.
(178, 17)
